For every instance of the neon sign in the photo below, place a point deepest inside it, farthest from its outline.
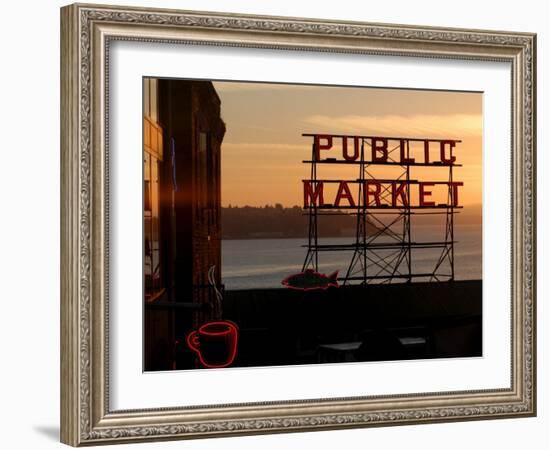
(390, 151)
(215, 343)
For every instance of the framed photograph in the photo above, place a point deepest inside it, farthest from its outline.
(276, 225)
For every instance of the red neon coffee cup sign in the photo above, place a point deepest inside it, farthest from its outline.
(215, 343)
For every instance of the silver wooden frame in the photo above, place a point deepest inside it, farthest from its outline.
(86, 32)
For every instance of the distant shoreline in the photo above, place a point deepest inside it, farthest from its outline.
(279, 235)
(278, 222)
(257, 238)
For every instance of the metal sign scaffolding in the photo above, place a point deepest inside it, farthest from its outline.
(385, 243)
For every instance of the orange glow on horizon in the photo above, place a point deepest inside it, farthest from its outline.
(263, 149)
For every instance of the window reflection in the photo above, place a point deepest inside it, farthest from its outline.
(152, 160)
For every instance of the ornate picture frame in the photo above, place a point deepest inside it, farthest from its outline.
(87, 32)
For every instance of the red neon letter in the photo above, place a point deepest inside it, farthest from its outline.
(399, 192)
(347, 157)
(423, 194)
(454, 192)
(427, 152)
(405, 154)
(313, 198)
(452, 158)
(375, 193)
(379, 145)
(318, 146)
(344, 192)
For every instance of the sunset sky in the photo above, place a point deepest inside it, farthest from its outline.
(263, 148)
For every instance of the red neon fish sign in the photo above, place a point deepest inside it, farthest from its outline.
(309, 280)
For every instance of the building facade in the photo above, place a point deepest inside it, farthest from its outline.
(183, 132)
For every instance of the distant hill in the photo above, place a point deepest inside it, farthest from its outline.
(249, 222)
(271, 222)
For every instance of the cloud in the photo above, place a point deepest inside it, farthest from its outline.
(256, 146)
(455, 126)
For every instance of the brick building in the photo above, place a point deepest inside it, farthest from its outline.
(183, 132)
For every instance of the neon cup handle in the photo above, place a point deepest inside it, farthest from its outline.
(193, 341)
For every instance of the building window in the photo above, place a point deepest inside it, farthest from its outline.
(152, 160)
(150, 99)
(207, 178)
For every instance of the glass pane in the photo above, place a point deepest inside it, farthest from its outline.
(153, 112)
(146, 184)
(146, 166)
(155, 222)
(147, 230)
(146, 94)
(203, 142)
